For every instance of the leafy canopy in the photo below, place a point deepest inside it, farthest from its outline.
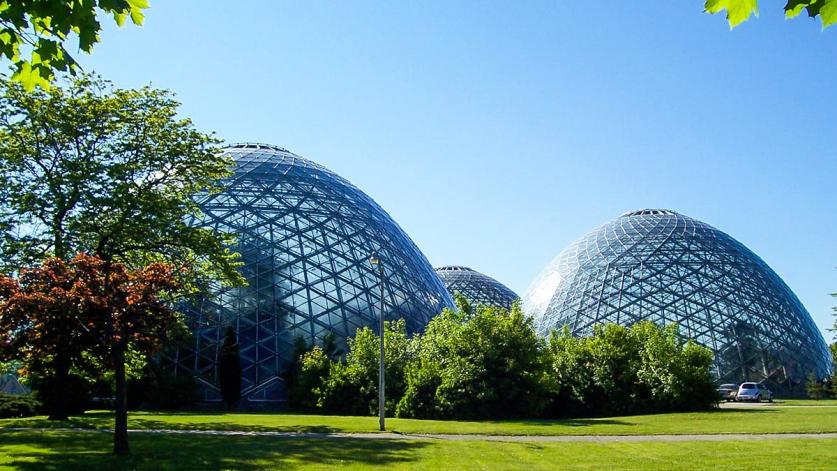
(111, 172)
(34, 33)
(739, 11)
(73, 315)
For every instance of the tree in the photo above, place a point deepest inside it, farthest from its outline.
(739, 11)
(629, 370)
(42, 339)
(43, 27)
(78, 314)
(489, 364)
(833, 389)
(310, 371)
(351, 387)
(229, 369)
(113, 173)
(89, 168)
(814, 387)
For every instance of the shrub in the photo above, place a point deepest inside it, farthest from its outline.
(73, 396)
(815, 387)
(156, 389)
(490, 363)
(305, 385)
(486, 365)
(18, 406)
(351, 387)
(621, 370)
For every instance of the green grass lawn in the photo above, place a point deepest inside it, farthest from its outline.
(806, 402)
(761, 419)
(80, 450)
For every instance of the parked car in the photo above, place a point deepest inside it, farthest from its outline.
(754, 392)
(728, 392)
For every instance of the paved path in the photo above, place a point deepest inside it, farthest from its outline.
(492, 438)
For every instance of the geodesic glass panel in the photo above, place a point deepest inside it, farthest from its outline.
(305, 236)
(669, 268)
(477, 288)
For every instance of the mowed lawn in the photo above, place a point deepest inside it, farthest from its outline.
(808, 402)
(63, 450)
(763, 419)
(90, 450)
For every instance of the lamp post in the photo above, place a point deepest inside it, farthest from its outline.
(377, 262)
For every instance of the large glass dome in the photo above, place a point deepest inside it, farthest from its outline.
(477, 288)
(305, 236)
(669, 268)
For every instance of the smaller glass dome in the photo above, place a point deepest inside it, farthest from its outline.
(477, 288)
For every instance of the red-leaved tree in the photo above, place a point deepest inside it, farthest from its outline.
(54, 313)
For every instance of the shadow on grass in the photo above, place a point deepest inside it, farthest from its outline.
(88, 420)
(151, 424)
(63, 450)
(150, 420)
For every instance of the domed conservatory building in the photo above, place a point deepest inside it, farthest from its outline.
(669, 268)
(477, 288)
(305, 236)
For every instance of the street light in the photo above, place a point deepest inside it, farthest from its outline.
(374, 260)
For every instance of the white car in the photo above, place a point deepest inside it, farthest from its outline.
(753, 392)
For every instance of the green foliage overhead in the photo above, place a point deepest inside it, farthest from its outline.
(739, 11)
(34, 33)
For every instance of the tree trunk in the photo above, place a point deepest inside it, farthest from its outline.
(57, 396)
(120, 431)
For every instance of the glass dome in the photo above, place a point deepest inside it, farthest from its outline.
(476, 287)
(666, 267)
(305, 236)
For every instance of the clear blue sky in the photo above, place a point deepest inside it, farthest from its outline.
(497, 133)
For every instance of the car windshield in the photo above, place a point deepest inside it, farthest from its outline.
(748, 386)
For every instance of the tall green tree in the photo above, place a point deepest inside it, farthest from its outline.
(229, 369)
(34, 33)
(739, 11)
(88, 168)
(91, 168)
